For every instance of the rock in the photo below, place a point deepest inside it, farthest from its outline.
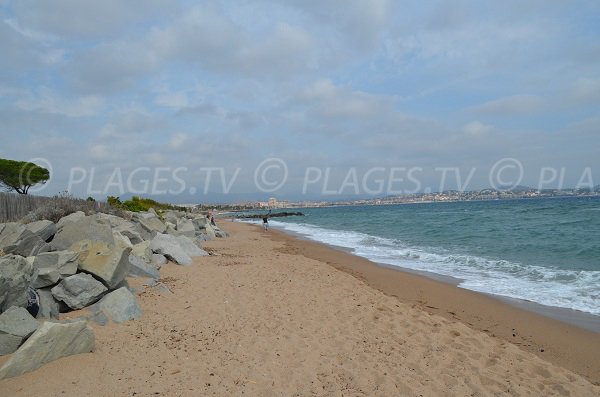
(109, 262)
(189, 247)
(221, 234)
(50, 342)
(16, 324)
(139, 268)
(127, 228)
(16, 275)
(158, 260)
(168, 245)
(65, 262)
(79, 290)
(44, 229)
(150, 223)
(93, 228)
(171, 216)
(49, 307)
(120, 305)
(46, 276)
(9, 343)
(74, 217)
(15, 238)
(153, 212)
(142, 251)
(185, 227)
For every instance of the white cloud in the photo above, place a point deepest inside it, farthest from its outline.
(48, 101)
(516, 104)
(76, 19)
(586, 90)
(177, 140)
(100, 152)
(325, 100)
(477, 128)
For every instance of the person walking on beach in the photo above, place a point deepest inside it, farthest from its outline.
(266, 222)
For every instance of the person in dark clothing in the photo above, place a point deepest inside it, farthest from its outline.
(266, 222)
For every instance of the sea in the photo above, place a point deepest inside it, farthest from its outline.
(545, 251)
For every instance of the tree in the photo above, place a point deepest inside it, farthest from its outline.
(21, 175)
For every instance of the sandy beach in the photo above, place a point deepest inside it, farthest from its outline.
(269, 314)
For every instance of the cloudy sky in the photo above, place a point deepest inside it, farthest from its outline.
(233, 100)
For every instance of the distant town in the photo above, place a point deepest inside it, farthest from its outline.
(446, 196)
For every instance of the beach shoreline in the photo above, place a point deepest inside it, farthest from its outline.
(553, 339)
(260, 317)
(579, 319)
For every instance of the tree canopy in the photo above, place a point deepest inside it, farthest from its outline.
(21, 175)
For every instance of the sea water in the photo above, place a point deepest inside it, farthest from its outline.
(542, 250)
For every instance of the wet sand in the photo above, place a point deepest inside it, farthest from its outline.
(266, 315)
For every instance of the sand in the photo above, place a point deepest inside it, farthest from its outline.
(262, 318)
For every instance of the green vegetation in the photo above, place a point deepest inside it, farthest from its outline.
(140, 204)
(21, 175)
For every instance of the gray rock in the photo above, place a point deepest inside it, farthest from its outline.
(189, 247)
(221, 234)
(150, 223)
(185, 227)
(143, 251)
(50, 342)
(109, 262)
(74, 217)
(9, 343)
(120, 305)
(48, 305)
(16, 324)
(44, 229)
(46, 277)
(16, 275)
(93, 228)
(98, 317)
(139, 268)
(158, 260)
(127, 228)
(168, 245)
(79, 290)
(17, 239)
(65, 262)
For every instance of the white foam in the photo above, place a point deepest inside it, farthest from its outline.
(572, 289)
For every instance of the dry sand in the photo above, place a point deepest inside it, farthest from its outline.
(263, 318)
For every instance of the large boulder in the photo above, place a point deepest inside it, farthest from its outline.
(15, 238)
(16, 275)
(120, 305)
(74, 217)
(142, 251)
(168, 245)
(189, 247)
(65, 262)
(16, 325)
(46, 276)
(109, 262)
(139, 268)
(158, 260)
(127, 228)
(50, 342)
(94, 228)
(150, 223)
(45, 229)
(49, 307)
(185, 227)
(79, 290)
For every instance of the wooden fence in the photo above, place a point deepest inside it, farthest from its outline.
(15, 206)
